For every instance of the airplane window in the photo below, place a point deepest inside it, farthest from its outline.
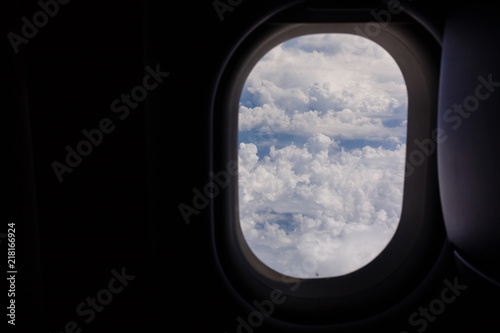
(322, 128)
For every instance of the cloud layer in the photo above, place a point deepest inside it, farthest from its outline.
(322, 133)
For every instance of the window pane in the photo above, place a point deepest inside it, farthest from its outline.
(322, 142)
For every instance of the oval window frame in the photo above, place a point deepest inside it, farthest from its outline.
(420, 235)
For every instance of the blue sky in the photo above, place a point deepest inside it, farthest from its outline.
(322, 142)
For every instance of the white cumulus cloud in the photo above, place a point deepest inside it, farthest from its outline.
(322, 128)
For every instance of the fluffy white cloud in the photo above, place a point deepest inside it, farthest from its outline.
(363, 79)
(320, 197)
(343, 124)
(309, 206)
